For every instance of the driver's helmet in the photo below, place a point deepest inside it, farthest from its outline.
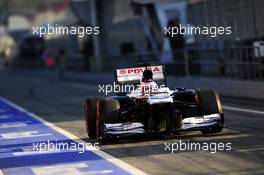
(147, 75)
(148, 86)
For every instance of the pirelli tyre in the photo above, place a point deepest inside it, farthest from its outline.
(209, 103)
(109, 110)
(99, 111)
(90, 116)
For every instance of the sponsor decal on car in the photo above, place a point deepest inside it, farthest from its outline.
(138, 70)
(135, 74)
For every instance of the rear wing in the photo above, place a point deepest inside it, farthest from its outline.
(134, 75)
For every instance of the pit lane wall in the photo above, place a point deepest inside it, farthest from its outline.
(225, 87)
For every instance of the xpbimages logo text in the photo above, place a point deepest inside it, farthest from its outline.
(56, 29)
(58, 146)
(211, 31)
(205, 146)
(107, 89)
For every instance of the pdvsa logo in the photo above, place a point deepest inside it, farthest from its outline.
(137, 70)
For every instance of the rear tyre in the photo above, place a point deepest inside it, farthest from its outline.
(109, 110)
(99, 111)
(209, 103)
(90, 117)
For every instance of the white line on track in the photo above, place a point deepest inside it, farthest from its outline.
(251, 149)
(113, 160)
(1, 172)
(243, 110)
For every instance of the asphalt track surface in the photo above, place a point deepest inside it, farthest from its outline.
(61, 102)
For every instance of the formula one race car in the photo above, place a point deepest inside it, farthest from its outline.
(149, 109)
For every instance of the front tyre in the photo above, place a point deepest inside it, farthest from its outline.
(209, 103)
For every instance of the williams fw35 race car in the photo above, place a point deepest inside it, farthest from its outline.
(150, 109)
